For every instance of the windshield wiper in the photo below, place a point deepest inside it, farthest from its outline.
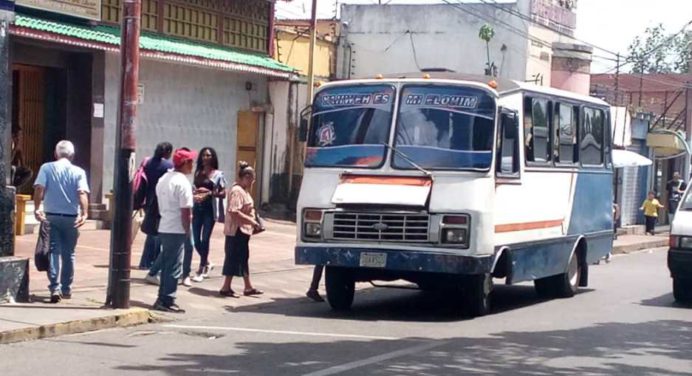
(408, 159)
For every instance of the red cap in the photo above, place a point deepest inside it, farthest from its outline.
(180, 156)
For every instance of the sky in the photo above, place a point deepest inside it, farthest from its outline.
(609, 24)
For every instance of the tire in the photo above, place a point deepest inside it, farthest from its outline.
(567, 284)
(563, 285)
(340, 286)
(682, 290)
(477, 295)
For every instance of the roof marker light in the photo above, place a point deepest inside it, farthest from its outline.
(492, 84)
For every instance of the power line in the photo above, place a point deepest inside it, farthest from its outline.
(531, 20)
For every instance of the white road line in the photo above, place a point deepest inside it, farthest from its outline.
(377, 359)
(288, 332)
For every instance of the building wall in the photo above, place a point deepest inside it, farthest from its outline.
(382, 40)
(187, 106)
(294, 50)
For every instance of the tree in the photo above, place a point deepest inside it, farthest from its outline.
(658, 52)
(486, 33)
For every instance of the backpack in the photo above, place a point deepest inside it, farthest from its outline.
(140, 186)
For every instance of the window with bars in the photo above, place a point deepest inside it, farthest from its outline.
(242, 23)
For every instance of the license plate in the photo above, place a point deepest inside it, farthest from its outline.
(373, 259)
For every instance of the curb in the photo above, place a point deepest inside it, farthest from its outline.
(628, 248)
(131, 317)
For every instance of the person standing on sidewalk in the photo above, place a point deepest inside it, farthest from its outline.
(675, 191)
(62, 188)
(241, 223)
(174, 194)
(154, 168)
(650, 208)
(210, 189)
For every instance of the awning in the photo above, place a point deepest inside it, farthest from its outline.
(626, 158)
(154, 46)
(666, 144)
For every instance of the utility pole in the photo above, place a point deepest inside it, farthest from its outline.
(313, 42)
(688, 115)
(7, 193)
(121, 234)
(617, 79)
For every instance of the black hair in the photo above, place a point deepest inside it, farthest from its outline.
(244, 169)
(163, 149)
(214, 159)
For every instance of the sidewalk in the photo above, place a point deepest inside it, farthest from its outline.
(271, 254)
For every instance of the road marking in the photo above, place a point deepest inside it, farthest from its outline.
(377, 359)
(288, 332)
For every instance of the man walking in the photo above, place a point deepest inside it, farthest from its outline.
(174, 194)
(62, 188)
(675, 191)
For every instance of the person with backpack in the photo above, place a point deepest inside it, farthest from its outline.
(146, 178)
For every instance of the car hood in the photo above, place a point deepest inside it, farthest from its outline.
(682, 223)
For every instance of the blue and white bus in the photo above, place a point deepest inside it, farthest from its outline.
(446, 180)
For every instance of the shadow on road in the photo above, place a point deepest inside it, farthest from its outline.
(378, 304)
(665, 300)
(656, 347)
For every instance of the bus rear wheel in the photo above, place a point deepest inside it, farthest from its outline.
(341, 287)
(477, 294)
(563, 285)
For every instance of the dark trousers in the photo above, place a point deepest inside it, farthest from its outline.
(202, 226)
(316, 277)
(650, 223)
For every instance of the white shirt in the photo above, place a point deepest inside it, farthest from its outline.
(174, 192)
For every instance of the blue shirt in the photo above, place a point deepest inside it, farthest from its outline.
(63, 183)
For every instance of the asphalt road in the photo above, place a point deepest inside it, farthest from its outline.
(624, 323)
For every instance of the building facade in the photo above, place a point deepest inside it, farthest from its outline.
(409, 38)
(204, 81)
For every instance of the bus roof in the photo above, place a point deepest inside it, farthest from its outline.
(504, 86)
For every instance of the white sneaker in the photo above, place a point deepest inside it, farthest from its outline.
(152, 279)
(187, 282)
(207, 269)
(197, 278)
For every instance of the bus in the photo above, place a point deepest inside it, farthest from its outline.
(451, 181)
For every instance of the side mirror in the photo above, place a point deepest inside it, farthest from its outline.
(304, 125)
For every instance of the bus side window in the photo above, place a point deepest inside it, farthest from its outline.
(566, 133)
(537, 129)
(592, 137)
(507, 164)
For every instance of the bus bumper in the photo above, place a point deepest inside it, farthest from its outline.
(680, 263)
(394, 260)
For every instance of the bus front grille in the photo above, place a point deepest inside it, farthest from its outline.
(386, 227)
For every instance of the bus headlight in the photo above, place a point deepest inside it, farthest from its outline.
(312, 224)
(313, 230)
(454, 236)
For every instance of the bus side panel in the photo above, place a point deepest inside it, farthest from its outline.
(592, 213)
(534, 260)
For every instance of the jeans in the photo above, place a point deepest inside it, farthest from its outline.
(202, 226)
(63, 240)
(171, 259)
(650, 224)
(152, 248)
(187, 259)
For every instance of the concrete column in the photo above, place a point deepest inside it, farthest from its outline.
(571, 67)
(6, 191)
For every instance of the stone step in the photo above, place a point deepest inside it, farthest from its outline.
(631, 230)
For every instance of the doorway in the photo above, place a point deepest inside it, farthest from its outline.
(248, 144)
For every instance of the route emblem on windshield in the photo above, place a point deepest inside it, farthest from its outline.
(326, 134)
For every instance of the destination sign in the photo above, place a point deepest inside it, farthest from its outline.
(355, 99)
(438, 100)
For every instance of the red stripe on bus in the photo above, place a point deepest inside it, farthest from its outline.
(528, 225)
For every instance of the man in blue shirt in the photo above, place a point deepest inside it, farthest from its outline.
(62, 188)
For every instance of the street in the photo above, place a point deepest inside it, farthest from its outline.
(624, 323)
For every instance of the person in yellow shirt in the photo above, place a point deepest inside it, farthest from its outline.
(650, 208)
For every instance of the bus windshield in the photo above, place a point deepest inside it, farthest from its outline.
(350, 126)
(445, 128)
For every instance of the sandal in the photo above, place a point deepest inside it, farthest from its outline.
(228, 293)
(252, 292)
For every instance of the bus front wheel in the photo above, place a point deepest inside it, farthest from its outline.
(477, 294)
(340, 286)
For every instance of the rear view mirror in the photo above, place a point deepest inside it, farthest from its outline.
(304, 126)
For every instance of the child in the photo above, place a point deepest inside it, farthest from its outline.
(650, 208)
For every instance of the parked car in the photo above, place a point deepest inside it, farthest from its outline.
(680, 252)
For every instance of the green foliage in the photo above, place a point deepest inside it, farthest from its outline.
(658, 52)
(486, 33)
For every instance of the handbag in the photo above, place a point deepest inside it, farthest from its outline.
(42, 252)
(260, 228)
